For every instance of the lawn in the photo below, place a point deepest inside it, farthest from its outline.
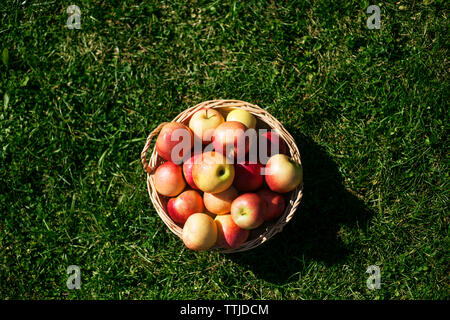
(368, 109)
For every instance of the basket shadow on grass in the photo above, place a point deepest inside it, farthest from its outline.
(312, 234)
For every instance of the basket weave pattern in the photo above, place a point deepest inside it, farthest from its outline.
(264, 120)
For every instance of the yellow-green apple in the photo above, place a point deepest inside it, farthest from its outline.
(247, 211)
(174, 142)
(230, 139)
(283, 174)
(275, 204)
(187, 170)
(248, 176)
(229, 235)
(203, 122)
(199, 232)
(220, 203)
(187, 203)
(212, 173)
(270, 143)
(243, 116)
(169, 180)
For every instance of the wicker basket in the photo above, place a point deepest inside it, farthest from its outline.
(264, 120)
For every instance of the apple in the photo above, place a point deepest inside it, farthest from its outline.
(187, 203)
(199, 232)
(275, 204)
(247, 211)
(174, 142)
(229, 235)
(220, 203)
(243, 116)
(212, 173)
(229, 138)
(248, 176)
(187, 170)
(203, 122)
(273, 142)
(169, 180)
(283, 174)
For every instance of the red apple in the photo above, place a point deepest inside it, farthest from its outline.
(169, 180)
(248, 176)
(229, 235)
(283, 174)
(247, 211)
(174, 142)
(187, 203)
(273, 142)
(275, 204)
(229, 139)
(187, 170)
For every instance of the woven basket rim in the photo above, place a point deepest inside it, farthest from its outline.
(269, 230)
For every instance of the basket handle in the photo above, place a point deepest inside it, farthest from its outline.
(146, 167)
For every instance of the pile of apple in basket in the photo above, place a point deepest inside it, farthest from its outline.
(237, 177)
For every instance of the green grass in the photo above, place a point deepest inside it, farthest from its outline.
(368, 109)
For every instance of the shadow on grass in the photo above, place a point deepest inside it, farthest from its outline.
(312, 234)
